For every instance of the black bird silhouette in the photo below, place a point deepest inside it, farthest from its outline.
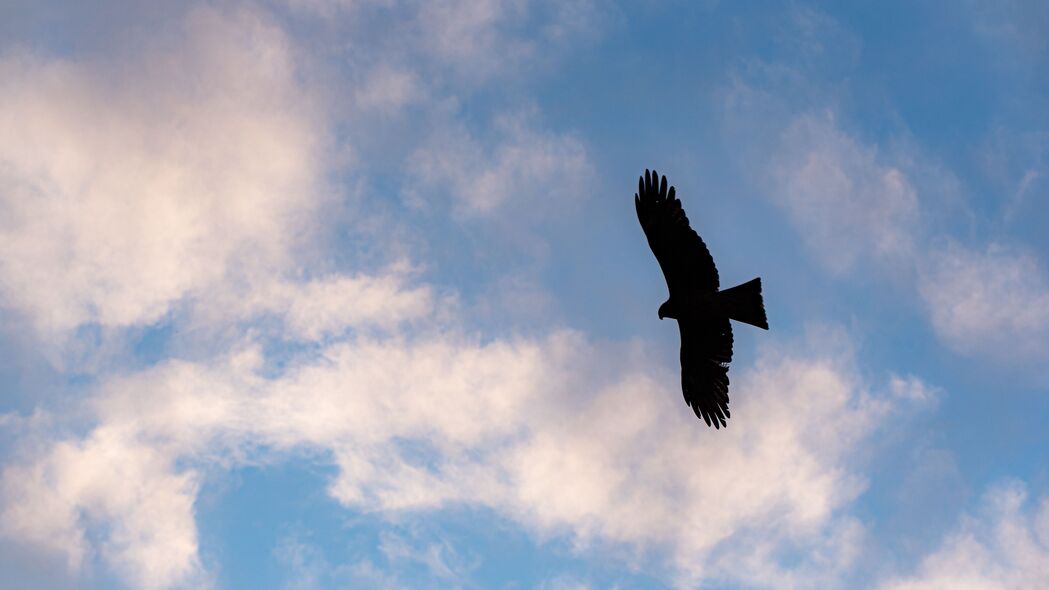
(702, 312)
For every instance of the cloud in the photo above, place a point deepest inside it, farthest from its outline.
(403, 562)
(844, 200)
(885, 206)
(440, 559)
(525, 170)
(1005, 546)
(146, 507)
(467, 32)
(1014, 164)
(479, 38)
(849, 207)
(456, 45)
(535, 429)
(130, 183)
(197, 174)
(1014, 31)
(316, 309)
(389, 89)
(992, 303)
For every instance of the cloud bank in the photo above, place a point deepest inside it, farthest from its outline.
(536, 430)
(131, 182)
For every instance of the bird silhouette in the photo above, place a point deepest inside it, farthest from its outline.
(701, 310)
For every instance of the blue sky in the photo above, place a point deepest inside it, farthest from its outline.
(322, 294)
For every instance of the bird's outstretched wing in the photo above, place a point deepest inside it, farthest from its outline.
(684, 258)
(706, 350)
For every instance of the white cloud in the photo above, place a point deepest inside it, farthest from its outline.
(912, 388)
(464, 31)
(844, 200)
(1005, 547)
(314, 310)
(992, 303)
(526, 171)
(456, 44)
(129, 183)
(480, 38)
(849, 207)
(111, 481)
(388, 89)
(537, 430)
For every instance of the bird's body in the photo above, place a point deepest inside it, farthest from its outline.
(694, 306)
(701, 310)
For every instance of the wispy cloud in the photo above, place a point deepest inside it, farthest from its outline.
(1005, 545)
(388, 89)
(993, 302)
(861, 206)
(846, 203)
(526, 172)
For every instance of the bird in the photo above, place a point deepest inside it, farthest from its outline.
(702, 310)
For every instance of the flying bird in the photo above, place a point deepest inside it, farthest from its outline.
(701, 310)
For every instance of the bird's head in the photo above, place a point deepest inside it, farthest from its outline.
(666, 311)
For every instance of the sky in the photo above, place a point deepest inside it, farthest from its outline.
(351, 294)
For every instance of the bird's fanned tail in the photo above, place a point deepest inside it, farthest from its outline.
(744, 303)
